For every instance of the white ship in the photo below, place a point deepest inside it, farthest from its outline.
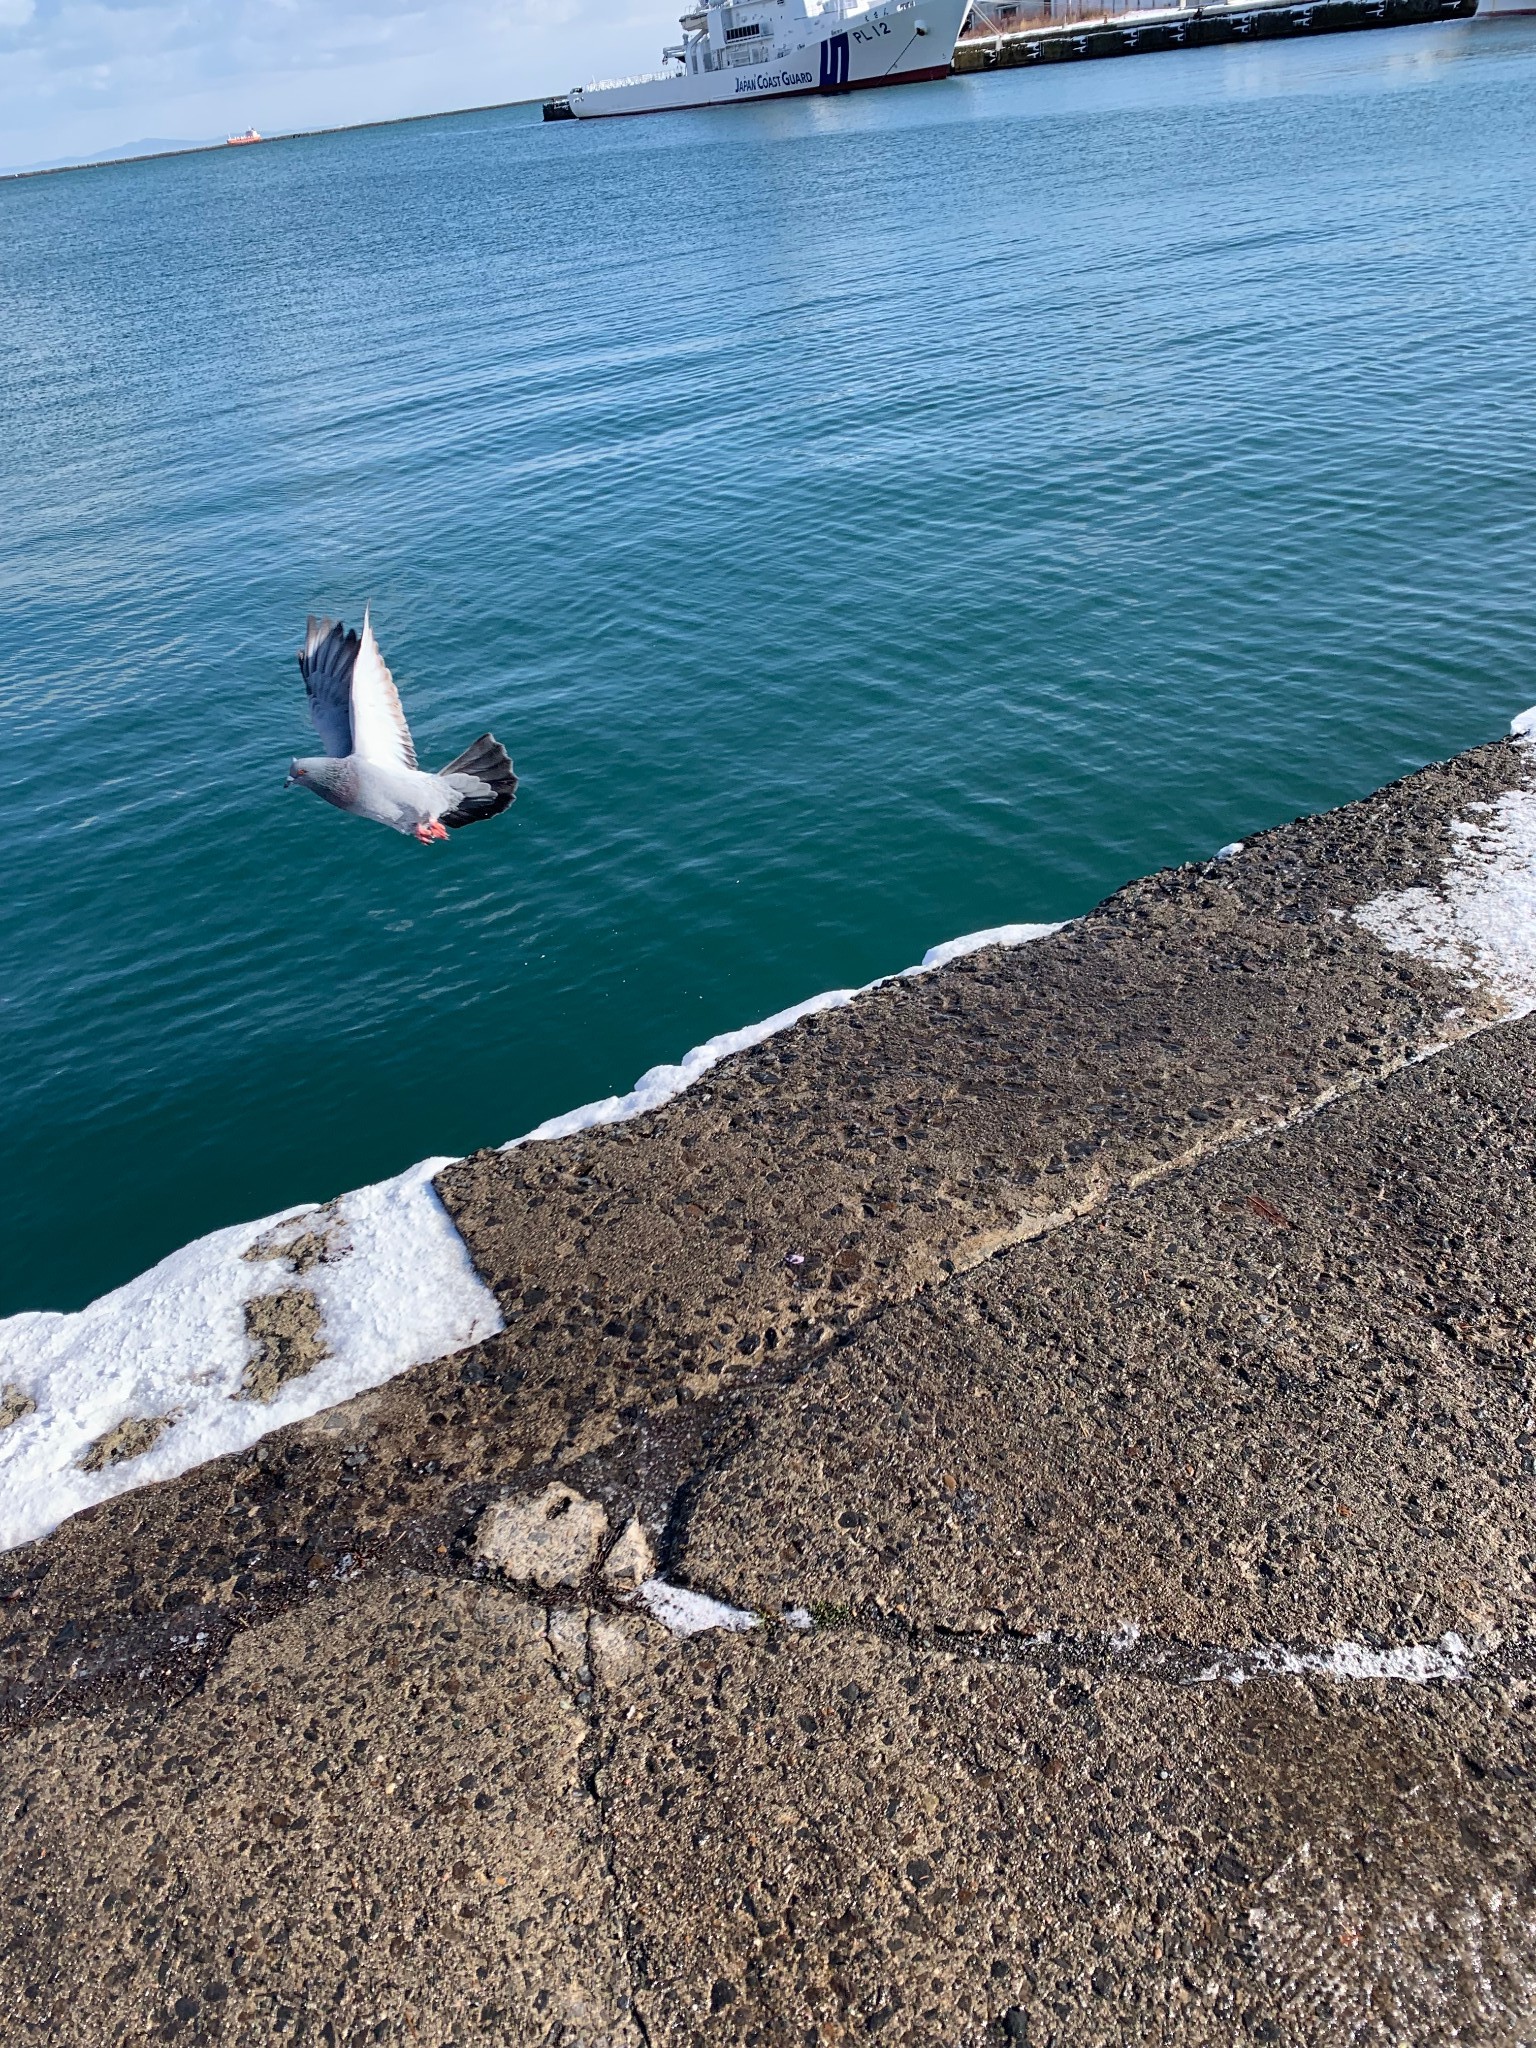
(732, 52)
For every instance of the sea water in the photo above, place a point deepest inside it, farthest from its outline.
(864, 520)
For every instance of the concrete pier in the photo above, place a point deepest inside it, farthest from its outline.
(1081, 1400)
(1044, 41)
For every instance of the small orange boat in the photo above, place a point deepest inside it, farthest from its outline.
(250, 135)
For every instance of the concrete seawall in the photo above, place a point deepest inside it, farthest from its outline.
(1083, 1397)
(1177, 28)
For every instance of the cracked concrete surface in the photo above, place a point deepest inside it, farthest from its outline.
(1067, 1335)
(831, 1838)
(1290, 1389)
(350, 1821)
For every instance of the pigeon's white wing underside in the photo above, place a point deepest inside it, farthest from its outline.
(379, 731)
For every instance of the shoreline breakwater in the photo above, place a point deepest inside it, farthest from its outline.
(1141, 31)
(1004, 1511)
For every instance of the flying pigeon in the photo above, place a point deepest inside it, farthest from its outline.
(369, 763)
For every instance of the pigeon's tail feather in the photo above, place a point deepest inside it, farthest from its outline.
(483, 782)
(485, 757)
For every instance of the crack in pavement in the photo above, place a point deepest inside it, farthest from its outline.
(1125, 1650)
(576, 1659)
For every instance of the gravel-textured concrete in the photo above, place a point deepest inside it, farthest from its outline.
(846, 1838)
(1285, 1396)
(1071, 1333)
(376, 1811)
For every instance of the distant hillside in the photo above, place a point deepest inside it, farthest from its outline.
(155, 145)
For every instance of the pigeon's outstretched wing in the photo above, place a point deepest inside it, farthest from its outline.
(326, 662)
(379, 731)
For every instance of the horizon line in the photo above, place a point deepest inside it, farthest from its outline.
(108, 163)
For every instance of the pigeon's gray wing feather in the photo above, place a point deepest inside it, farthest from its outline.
(326, 662)
(379, 730)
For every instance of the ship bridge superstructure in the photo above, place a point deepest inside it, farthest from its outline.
(725, 33)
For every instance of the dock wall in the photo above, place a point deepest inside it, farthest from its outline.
(1124, 35)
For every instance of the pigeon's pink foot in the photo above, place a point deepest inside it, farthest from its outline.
(427, 833)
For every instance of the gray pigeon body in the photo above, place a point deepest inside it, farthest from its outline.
(369, 764)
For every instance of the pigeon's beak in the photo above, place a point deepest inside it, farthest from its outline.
(292, 780)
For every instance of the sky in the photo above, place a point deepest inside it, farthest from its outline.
(80, 77)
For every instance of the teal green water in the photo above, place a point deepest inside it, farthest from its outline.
(864, 520)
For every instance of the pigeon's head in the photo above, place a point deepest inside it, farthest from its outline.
(318, 773)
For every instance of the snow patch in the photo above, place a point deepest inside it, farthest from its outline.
(1481, 919)
(687, 1613)
(1407, 1664)
(394, 1287)
(1523, 727)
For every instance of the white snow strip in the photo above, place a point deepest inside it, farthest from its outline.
(659, 1085)
(689, 1614)
(973, 942)
(1481, 919)
(1407, 1664)
(1523, 727)
(395, 1288)
(1410, 1663)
